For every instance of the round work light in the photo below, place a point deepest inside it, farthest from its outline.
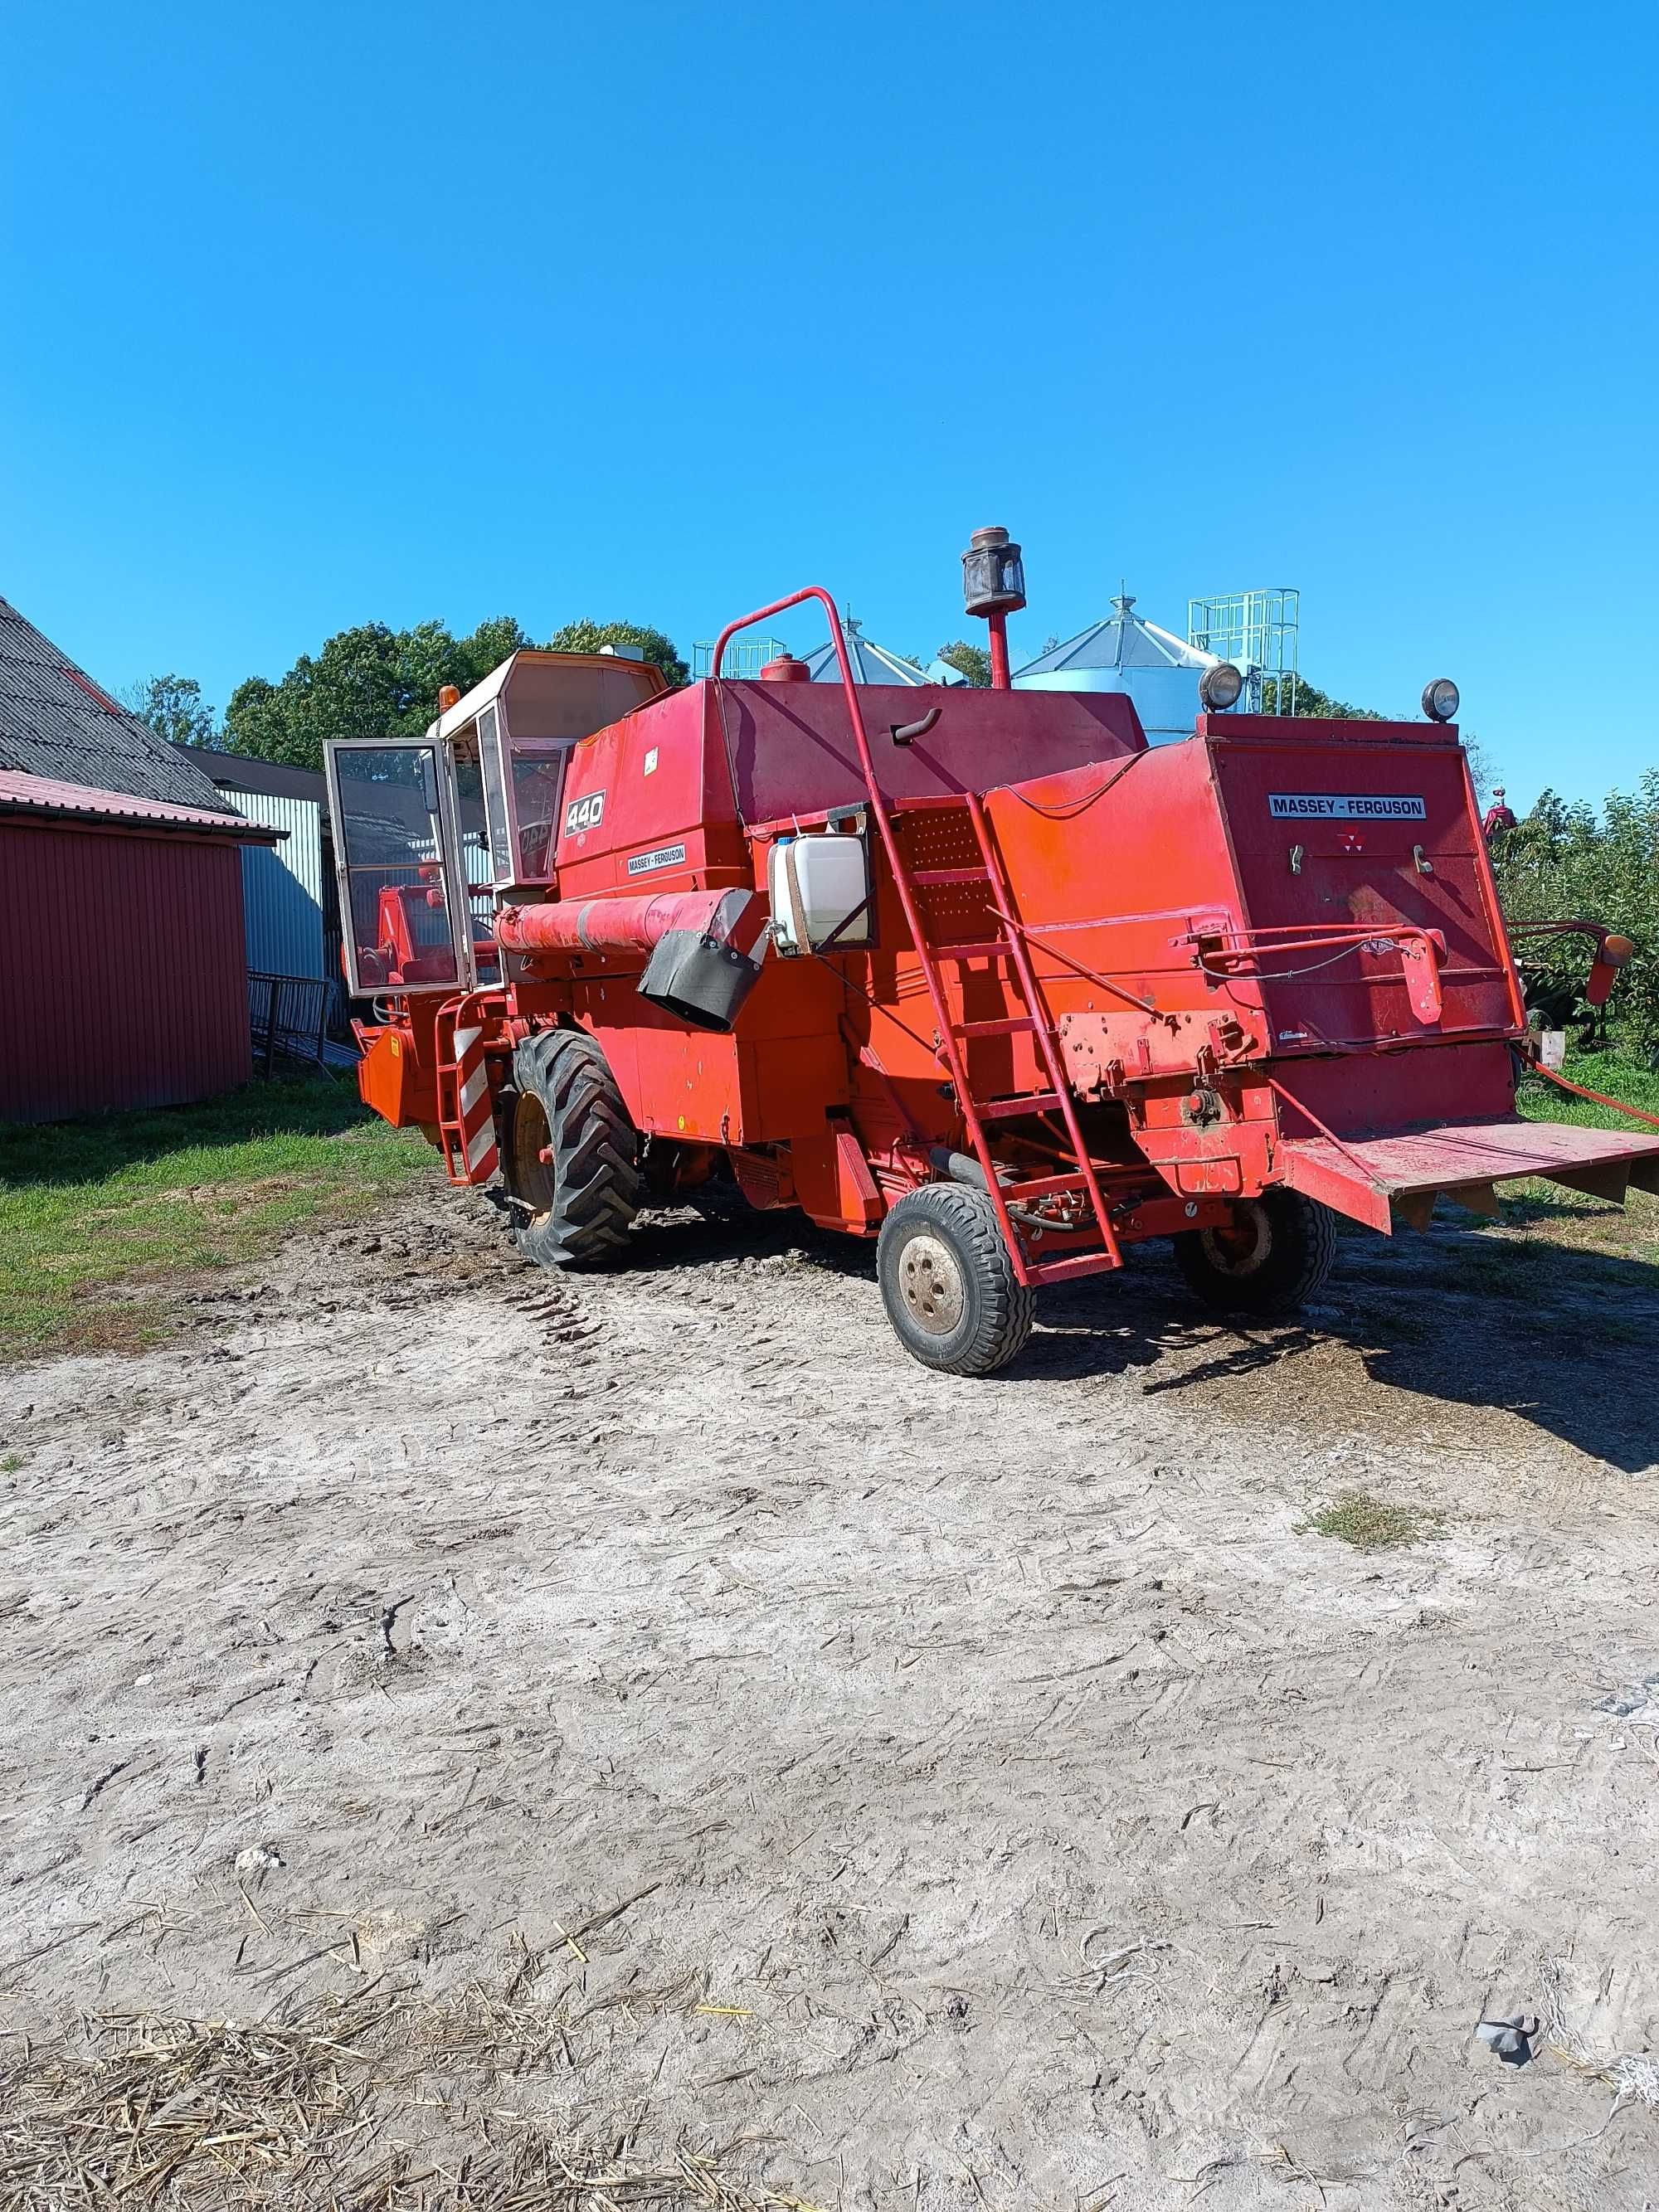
(1218, 687)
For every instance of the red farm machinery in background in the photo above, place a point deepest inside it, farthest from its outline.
(976, 973)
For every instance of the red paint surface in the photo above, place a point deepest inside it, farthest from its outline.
(124, 982)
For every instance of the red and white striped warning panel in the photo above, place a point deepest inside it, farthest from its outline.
(476, 1116)
(466, 1120)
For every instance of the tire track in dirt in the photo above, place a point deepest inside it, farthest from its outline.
(1031, 1797)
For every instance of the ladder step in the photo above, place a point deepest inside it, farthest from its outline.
(991, 949)
(1046, 1187)
(1010, 1025)
(1004, 1110)
(949, 876)
(1074, 1263)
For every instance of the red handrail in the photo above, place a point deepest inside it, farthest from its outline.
(913, 917)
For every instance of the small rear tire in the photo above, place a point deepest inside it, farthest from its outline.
(571, 1157)
(1275, 1255)
(948, 1281)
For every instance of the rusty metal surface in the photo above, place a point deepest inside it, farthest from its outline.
(1483, 1151)
(1368, 1177)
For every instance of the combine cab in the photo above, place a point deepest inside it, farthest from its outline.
(977, 974)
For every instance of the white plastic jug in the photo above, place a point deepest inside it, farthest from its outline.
(818, 883)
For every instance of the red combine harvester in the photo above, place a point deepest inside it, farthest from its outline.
(976, 973)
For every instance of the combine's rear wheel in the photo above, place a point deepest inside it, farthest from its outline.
(948, 1280)
(1274, 1255)
(571, 1157)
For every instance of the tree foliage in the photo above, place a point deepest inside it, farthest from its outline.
(586, 637)
(1309, 699)
(370, 682)
(974, 661)
(1567, 863)
(374, 682)
(174, 709)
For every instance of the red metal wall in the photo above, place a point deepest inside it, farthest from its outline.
(122, 976)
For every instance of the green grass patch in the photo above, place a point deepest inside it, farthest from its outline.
(1567, 1218)
(91, 1212)
(1368, 1523)
(1618, 1074)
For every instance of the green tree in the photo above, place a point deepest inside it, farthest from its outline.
(174, 709)
(1568, 863)
(370, 682)
(586, 636)
(1301, 697)
(973, 661)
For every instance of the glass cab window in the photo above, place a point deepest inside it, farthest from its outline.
(404, 899)
(521, 739)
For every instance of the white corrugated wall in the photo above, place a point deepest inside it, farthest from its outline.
(283, 887)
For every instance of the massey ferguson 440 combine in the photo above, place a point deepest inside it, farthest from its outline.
(976, 973)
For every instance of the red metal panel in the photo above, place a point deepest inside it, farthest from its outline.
(47, 794)
(125, 980)
(1420, 865)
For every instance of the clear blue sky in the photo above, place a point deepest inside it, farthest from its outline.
(319, 315)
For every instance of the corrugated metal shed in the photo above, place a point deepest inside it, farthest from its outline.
(282, 897)
(55, 721)
(283, 887)
(135, 991)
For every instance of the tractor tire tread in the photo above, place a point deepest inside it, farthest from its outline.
(1295, 1269)
(1002, 1309)
(596, 1179)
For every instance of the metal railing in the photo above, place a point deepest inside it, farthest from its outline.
(745, 661)
(289, 1015)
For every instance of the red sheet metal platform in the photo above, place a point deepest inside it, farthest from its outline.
(1373, 1179)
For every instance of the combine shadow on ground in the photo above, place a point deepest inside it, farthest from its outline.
(1559, 1337)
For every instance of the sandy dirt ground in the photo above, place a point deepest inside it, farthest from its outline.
(962, 1794)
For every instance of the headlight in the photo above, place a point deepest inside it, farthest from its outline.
(1617, 951)
(1440, 699)
(1218, 687)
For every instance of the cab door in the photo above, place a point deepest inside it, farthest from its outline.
(404, 910)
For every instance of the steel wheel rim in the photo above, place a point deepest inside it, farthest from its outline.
(1243, 1246)
(532, 1178)
(931, 1284)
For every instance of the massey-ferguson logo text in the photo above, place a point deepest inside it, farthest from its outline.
(584, 813)
(1339, 807)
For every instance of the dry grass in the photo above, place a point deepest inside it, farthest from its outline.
(382, 2101)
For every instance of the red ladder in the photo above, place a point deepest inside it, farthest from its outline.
(931, 947)
(466, 1106)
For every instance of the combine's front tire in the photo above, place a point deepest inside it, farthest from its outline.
(948, 1280)
(1275, 1255)
(573, 1207)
